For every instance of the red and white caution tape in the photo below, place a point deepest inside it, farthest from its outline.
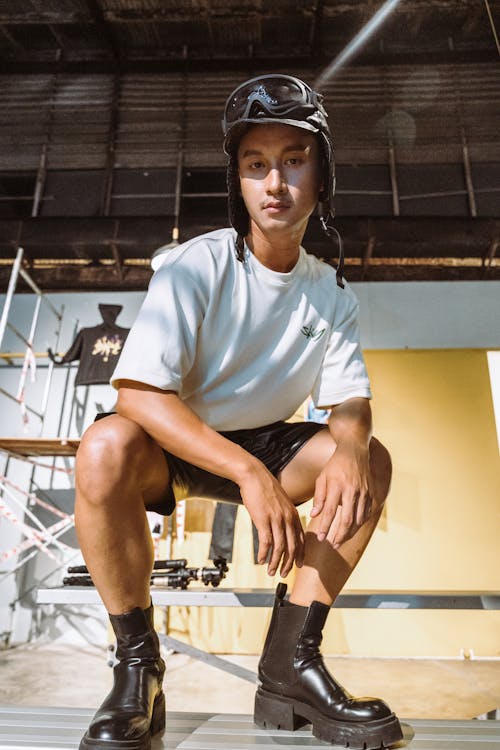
(42, 532)
(24, 412)
(30, 556)
(34, 498)
(55, 530)
(27, 460)
(29, 364)
(32, 534)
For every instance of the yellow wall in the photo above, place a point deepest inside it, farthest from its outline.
(440, 529)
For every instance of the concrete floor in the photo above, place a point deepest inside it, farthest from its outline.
(78, 676)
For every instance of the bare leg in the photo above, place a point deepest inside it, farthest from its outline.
(325, 570)
(295, 685)
(119, 469)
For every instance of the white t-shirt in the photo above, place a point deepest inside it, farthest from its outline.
(241, 344)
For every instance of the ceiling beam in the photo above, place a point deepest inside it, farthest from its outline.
(207, 14)
(57, 36)
(490, 257)
(104, 28)
(38, 6)
(184, 12)
(162, 64)
(447, 233)
(417, 20)
(409, 6)
(93, 278)
(12, 40)
(110, 253)
(316, 38)
(42, 18)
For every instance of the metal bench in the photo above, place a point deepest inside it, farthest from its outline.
(48, 728)
(228, 597)
(253, 597)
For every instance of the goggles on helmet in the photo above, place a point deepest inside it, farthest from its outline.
(273, 96)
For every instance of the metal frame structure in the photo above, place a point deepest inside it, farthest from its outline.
(253, 597)
(29, 355)
(17, 503)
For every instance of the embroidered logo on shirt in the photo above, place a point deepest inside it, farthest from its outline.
(312, 333)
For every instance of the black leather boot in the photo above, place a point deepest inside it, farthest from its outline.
(296, 688)
(134, 710)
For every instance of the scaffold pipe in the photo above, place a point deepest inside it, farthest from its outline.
(10, 292)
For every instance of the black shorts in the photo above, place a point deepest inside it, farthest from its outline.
(275, 445)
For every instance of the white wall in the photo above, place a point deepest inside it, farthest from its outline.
(402, 315)
(429, 315)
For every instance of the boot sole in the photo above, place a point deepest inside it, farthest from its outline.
(140, 743)
(277, 712)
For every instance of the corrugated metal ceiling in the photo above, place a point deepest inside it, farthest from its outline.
(125, 84)
(426, 114)
(218, 29)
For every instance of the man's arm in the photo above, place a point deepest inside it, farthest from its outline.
(177, 429)
(343, 490)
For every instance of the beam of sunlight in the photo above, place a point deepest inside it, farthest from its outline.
(354, 45)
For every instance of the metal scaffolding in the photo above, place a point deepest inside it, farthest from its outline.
(18, 500)
(29, 357)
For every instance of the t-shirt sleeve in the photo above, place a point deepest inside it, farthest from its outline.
(75, 350)
(343, 373)
(161, 345)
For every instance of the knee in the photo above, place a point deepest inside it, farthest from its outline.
(108, 453)
(381, 467)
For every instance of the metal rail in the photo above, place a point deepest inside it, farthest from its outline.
(250, 597)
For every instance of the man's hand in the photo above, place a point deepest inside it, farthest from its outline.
(343, 495)
(344, 490)
(281, 537)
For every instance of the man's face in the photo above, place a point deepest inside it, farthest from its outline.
(279, 177)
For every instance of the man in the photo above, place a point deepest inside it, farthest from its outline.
(239, 326)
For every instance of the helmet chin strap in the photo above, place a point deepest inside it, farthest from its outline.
(333, 234)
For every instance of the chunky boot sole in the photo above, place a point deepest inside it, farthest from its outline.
(277, 712)
(140, 743)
